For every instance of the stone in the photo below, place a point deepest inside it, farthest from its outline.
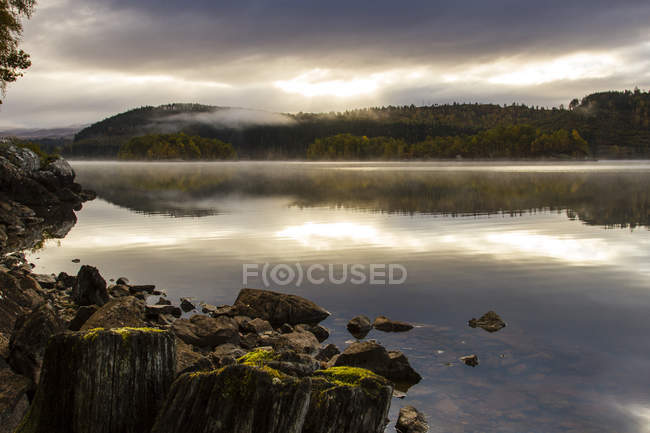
(320, 332)
(123, 281)
(470, 360)
(118, 313)
(372, 356)
(301, 342)
(279, 308)
(286, 361)
(490, 321)
(258, 326)
(66, 280)
(385, 324)
(411, 420)
(359, 326)
(350, 400)
(285, 329)
(143, 288)
(157, 310)
(83, 314)
(187, 305)
(236, 399)
(327, 352)
(62, 170)
(119, 291)
(29, 340)
(14, 401)
(45, 281)
(102, 381)
(163, 301)
(205, 331)
(89, 287)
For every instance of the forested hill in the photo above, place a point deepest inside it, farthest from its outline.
(614, 124)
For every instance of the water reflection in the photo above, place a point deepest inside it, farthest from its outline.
(545, 248)
(596, 194)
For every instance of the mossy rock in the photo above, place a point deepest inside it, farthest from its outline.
(102, 381)
(235, 399)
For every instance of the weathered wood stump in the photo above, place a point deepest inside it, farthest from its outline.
(348, 399)
(102, 381)
(235, 399)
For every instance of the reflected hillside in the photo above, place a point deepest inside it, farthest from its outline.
(604, 198)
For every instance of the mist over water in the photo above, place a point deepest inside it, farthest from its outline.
(560, 251)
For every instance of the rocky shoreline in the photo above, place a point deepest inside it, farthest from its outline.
(80, 355)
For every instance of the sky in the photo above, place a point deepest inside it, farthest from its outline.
(95, 58)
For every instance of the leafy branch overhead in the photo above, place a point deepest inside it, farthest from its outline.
(13, 60)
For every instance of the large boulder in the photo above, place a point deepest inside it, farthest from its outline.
(23, 159)
(118, 313)
(89, 287)
(392, 365)
(29, 340)
(236, 399)
(62, 170)
(206, 331)
(350, 400)
(102, 381)
(14, 402)
(411, 420)
(279, 308)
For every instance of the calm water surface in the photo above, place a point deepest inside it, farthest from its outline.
(561, 252)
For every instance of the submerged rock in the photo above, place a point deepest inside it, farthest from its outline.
(359, 326)
(348, 399)
(392, 365)
(471, 360)
(385, 324)
(279, 308)
(102, 381)
(89, 287)
(411, 420)
(490, 321)
(237, 399)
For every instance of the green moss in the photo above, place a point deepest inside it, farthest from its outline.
(258, 357)
(91, 334)
(348, 376)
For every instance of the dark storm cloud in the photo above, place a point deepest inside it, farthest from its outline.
(157, 34)
(93, 58)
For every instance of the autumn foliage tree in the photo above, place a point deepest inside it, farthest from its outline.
(12, 59)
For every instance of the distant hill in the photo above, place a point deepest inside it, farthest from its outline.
(615, 124)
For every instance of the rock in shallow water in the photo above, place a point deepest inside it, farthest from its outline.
(411, 420)
(385, 324)
(102, 381)
(359, 326)
(279, 308)
(490, 321)
(392, 365)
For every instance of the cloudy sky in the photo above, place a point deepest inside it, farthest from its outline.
(94, 58)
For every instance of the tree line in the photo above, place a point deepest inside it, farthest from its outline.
(174, 147)
(520, 141)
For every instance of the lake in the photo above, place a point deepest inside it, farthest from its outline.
(560, 251)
